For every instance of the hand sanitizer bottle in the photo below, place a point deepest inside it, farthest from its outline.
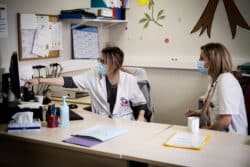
(64, 114)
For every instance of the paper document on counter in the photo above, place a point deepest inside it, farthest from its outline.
(187, 141)
(102, 132)
(95, 135)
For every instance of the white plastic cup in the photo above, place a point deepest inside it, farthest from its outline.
(193, 124)
(39, 99)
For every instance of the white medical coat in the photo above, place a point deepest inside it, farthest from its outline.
(228, 100)
(127, 91)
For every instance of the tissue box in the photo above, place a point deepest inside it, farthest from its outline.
(16, 127)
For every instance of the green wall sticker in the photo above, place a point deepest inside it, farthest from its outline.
(152, 15)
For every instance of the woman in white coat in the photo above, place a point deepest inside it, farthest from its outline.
(114, 92)
(224, 107)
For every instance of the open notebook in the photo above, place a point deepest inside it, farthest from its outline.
(95, 135)
(187, 141)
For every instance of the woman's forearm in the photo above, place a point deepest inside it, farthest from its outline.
(223, 122)
(141, 116)
(52, 81)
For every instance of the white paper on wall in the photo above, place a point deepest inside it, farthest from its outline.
(42, 42)
(3, 21)
(28, 36)
(28, 21)
(42, 22)
(55, 29)
(85, 42)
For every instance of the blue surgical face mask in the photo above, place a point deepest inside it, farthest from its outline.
(102, 69)
(201, 67)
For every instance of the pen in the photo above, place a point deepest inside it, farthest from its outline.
(54, 111)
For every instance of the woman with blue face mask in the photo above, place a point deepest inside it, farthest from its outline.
(224, 107)
(114, 92)
(202, 64)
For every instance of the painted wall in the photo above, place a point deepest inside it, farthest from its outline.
(174, 88)
(146, 47)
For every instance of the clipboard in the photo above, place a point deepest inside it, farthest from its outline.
(28, 34)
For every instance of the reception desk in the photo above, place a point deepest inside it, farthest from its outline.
(142, 143)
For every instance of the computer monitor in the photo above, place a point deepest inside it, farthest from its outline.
(14, 76)
(10, 91)
(11, 83)
(1, 73)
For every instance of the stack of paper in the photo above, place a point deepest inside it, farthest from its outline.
(187, 141)
(33, 105)
(95, 135)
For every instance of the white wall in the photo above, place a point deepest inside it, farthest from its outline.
(173, 90)
(146, 47)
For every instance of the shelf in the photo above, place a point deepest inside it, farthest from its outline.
(106, 23)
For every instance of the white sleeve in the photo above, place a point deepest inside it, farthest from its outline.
(229, 96)
(136, 96)
(84, 80)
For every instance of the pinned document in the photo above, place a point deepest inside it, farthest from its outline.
(102, 132)
(85, 42)
(42, 42)
(3, 21)
(187, 141)
(28, 21)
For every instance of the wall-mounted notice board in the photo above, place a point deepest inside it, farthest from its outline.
(39, 36)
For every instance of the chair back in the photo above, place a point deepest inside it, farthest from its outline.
(144, 84)
(245, 85)
(247, 103)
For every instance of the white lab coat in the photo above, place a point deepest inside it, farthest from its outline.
(127, 91)
(228, 100)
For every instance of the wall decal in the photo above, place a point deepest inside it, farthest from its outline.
(142, 2)
(166, 40)
(233, 14)
(150, 16)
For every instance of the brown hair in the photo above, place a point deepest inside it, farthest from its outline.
(115, 57)
(219, 58)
